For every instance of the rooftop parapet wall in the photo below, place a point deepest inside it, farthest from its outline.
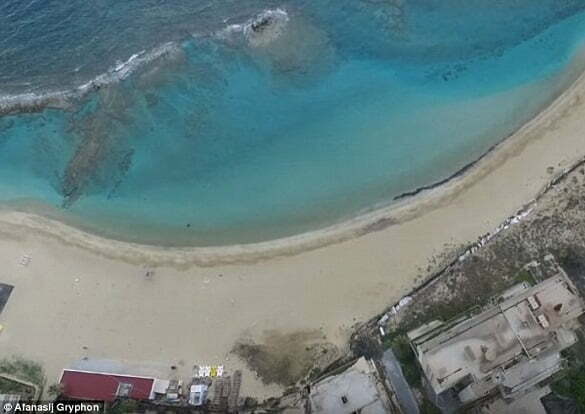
(529, 324)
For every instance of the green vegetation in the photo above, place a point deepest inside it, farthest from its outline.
(446, 312)
(571, 381)
(572, 385)
(524, 276)
(23, 369)
(314, 373)
(428, 407)
(466, 306)
(11, 387)
(54, 390)
(123, 407)
(405, 355)
(365, 345)
(20, 369)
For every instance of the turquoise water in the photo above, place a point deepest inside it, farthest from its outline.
(245, 122)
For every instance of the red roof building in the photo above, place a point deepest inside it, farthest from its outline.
(84, 385)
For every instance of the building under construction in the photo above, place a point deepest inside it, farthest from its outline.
(506, 351)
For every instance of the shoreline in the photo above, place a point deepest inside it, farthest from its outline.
(96, 288)
(405, 207)
(465, 251)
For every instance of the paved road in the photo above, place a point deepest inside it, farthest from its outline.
(403, 392)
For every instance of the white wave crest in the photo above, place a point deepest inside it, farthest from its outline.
(122, 70)
(33, 102)
(259, 31)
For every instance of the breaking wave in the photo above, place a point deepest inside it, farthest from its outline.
(260, 30)
(34, 102)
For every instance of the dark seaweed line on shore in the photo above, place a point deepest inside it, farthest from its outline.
(461, 171)
(482, 240)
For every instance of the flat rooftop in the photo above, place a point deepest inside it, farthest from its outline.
(534, 320)
(354, 390)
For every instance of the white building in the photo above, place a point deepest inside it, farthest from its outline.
(506, 350)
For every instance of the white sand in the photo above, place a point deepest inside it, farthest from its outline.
(190, 314)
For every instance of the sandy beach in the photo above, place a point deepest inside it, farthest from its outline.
(85, 296)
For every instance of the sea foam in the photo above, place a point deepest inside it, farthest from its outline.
(35, 102)
(260, 30)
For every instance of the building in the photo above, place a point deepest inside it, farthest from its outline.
(86, 385)
(355, 390)
(108, 380)
(505, 351)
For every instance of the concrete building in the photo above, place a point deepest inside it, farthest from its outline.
(356, 390)
(506, 350)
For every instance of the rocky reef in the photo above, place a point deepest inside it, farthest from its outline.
(102, 154)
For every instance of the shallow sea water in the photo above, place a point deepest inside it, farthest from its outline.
(177, 123)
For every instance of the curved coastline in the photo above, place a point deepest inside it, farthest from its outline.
(325, 281)
(407, 207)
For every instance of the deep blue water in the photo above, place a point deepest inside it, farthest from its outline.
(215, 122)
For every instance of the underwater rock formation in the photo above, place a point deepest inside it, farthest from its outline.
(289, 45)
(96, 158)
(266, 27)
(82, 166)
